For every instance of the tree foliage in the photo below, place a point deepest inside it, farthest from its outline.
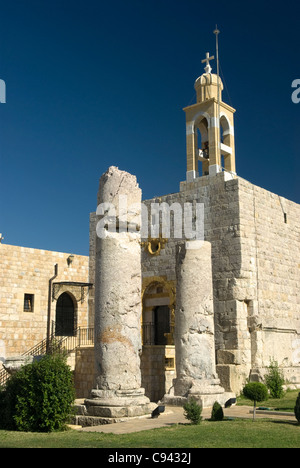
(274, 380)
(297, 409)
(256, 392)
(193, 411)
(39, 397)
(217, 413)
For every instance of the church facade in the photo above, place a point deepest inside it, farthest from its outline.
(255, 260)
(255, 241)
(253, 265)
(254, 235)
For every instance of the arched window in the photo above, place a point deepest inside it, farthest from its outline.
(227, 142)
(65, 316)
(202, 145)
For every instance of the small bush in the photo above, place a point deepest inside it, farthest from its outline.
(274, 380)
(3, 407)
(192, 412)
(217, 413)
(38, 398)
(256, 392)
(297, 409)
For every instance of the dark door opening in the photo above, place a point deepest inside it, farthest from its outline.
(161, 324)
(65, 316)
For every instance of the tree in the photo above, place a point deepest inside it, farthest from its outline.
(192, 412)
(217, 413)
(274, 380)
(39, 397)
(256, 392)
(297, 409)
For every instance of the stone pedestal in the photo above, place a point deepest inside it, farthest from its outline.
(118, 346)
(194, 329)
(14, 363)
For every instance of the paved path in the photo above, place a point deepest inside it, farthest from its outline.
(174, 415)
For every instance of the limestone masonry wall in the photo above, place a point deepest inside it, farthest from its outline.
(28, 271)
(84, 371)
(255, 238)
(255, 264)
(270, 229)
(255, 251)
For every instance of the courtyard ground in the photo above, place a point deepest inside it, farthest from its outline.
(171, 430)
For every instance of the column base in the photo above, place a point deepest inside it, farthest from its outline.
(206, 401)
(204, 392)
(134, 397)
(111, 406)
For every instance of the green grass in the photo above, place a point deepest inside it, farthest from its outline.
(239, 433)
(286, 403)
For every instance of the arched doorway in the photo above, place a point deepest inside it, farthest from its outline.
(158, 356)
(158, 314)
(65, 320)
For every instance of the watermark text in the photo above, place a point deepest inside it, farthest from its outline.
(154, 220)
(2, 92)
(296, 94)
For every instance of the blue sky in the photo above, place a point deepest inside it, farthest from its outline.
(92, 84)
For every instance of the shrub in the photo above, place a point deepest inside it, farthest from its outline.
(297, 409)
(39, 397)
(217, 413)
(3, 408)
(192, 412)
(256, 392)
(274, 380)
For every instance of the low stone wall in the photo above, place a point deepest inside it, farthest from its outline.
(84, 372)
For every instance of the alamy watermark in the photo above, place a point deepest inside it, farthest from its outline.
(154, 220)
(296, 94)
(2, 92)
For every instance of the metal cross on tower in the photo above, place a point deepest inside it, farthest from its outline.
(207, 59)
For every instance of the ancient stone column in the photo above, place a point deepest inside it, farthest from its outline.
(118, 346)
(196, 375)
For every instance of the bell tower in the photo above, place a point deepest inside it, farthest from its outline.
(209, 128)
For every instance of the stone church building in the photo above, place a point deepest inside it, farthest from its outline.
(251, 262)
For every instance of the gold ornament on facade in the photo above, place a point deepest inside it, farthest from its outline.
(154, 245)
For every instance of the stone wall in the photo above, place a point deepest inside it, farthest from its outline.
(28, 271)
(270, 229)
(255, 240)
(255, 259)
(84, 371)
(158, 370)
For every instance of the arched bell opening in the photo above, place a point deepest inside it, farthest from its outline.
(226, 145)
(202, 145)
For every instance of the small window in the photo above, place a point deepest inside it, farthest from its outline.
(169, 363)
(28, 302)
